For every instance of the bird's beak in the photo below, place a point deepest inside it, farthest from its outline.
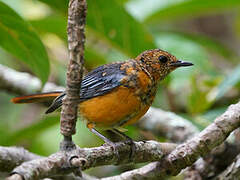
(180, 63)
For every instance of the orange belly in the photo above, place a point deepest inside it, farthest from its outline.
(112, 108)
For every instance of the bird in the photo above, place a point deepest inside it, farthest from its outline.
(117, 94)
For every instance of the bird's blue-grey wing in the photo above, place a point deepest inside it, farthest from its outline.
(96, 83)
(101, 81)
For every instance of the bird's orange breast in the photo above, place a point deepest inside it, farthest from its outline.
(112, 108)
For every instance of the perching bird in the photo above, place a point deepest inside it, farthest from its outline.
(117, 94)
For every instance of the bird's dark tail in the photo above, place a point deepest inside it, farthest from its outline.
(56, 97)
(56, 103)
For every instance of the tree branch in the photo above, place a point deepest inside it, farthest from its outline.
(232, 172)
(10, 157)
(215, 162)
(167, 124)
(76, 38)
(22, 83)
(65, 162)
(187, 153)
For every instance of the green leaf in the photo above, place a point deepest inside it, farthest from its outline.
(58, 25)
(237, 24)
(52, 24)
(18, 38)
(93, 58)
(209, 44)
(231, 80)
(115, 26)
(59, 5)
(197, 101)
(191, 8)
(141, 9)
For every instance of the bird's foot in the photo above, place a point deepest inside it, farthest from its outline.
(129, 141)
(132, 150)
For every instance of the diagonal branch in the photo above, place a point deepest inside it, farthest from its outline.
(187, 153)
(167, 124)
(215, 161)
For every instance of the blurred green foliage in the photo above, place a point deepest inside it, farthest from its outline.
(16, 36)
(33, 35)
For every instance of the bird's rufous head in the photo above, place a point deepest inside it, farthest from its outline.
(160, 63)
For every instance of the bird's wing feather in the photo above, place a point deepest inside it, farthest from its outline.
(96, 83)
(101, 80)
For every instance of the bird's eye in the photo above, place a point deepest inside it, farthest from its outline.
(163, 59)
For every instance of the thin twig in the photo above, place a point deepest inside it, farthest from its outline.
(76, 38)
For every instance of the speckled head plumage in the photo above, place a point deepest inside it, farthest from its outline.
(160, 63)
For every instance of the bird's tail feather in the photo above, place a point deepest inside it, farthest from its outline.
(56, 97)
(34, 98)
(56, 103)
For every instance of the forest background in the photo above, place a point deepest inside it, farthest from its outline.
(33, 39)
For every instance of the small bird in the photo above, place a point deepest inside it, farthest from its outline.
(117, 94)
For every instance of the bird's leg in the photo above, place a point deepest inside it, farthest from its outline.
(90, 126)
(129, 140)
(105, 139)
